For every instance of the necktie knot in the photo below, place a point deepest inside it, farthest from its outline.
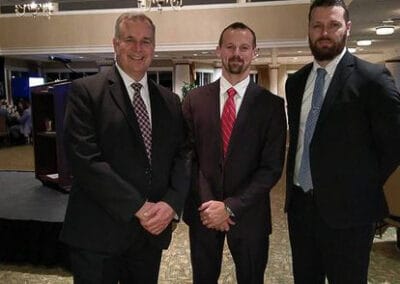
(136, 87)
(231, 92)
(321, 72)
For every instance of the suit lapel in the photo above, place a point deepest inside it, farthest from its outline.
(160, 121)
(342, 73)
(123, 102)
(121, 98)
(211, 103)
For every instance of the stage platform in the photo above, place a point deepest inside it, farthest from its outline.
(31, 217)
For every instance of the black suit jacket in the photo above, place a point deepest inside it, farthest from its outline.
(112, 177)
(254, 159)
(356, 143)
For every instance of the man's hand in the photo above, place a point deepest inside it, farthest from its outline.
(143, 213)
(214, 216)
(225, 226)
(159, 217)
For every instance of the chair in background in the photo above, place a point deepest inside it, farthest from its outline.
(4, 133)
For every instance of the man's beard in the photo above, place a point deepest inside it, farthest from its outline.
(327, 53)
(235, 65)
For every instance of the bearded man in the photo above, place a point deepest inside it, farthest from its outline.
(237, 131)
(344, 127)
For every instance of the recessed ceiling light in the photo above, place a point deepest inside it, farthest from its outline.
(365, 42)
(195, 54)
(352, 49)
(384, 30)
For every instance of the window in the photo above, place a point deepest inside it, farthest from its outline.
(254, 77)
(203, 78)
(164, 78)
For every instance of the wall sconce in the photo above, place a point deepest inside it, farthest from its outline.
(159, 4)
(36, 9)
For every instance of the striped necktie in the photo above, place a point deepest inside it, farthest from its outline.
(228, 119)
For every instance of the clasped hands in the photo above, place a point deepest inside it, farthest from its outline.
(213, 215)
(155, 217)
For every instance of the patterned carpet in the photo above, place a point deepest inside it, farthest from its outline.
(175, 267)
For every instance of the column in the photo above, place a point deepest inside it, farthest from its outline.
(273, 71)
(273, 78)
(217, 72)
(181, 75)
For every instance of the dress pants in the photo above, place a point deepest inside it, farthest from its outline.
(250, 255)
(137, 265)
(319, 251)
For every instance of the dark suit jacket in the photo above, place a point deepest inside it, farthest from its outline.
(356, 143)
(254, 159)
(112, 177)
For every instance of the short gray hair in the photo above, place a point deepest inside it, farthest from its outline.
(133, 17)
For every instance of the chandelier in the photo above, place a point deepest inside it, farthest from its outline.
(159, 4)
(35, 9)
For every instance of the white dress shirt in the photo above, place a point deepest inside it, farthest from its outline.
(144, 91)
(306, 105)
(240, 89)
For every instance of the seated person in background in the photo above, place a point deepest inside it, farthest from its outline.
(3, 108)
(24, 127)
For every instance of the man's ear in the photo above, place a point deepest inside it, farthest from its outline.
(256, 52)
(218, 52)
(348, 27)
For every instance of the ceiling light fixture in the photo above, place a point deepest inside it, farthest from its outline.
(365, 42)
(159, 4)
(35, 9)
(384, 30)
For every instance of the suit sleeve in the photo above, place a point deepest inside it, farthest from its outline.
(270, 165)
(180, 171)
(200, 187)
(91, 172)
(385, 122)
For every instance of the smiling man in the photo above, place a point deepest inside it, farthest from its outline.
(344, 126)
(237, 131)
(125, 143)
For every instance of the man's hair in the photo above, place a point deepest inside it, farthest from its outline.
(329, 3)
(140, 17)
(238, 26)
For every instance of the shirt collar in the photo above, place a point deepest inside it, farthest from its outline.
(331, 66)
(239, 87)
(128, 80)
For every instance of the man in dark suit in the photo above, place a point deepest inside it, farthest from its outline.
(126, 147)
(238, 132)
(344, 126)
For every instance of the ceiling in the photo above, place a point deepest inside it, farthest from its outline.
(365, 16)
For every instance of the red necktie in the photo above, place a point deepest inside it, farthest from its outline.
(228, 119)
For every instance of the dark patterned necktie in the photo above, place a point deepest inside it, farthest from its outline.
(143, 118)
(305, 178)
(228, 119)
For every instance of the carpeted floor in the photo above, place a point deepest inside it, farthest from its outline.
(18, 158)
(175, 267)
